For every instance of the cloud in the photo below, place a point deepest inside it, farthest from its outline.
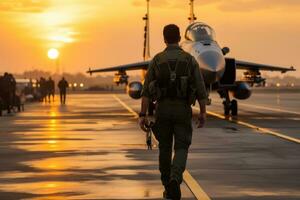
(154, 3)
(254, 5)
(24, 5)
(224, 5)
(171, 3)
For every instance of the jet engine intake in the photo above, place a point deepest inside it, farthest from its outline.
(134, 89)
(241, 91)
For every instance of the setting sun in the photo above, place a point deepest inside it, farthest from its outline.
(53, 54)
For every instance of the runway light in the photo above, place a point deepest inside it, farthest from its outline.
(277, 84)
(75, 84)
(81, 85)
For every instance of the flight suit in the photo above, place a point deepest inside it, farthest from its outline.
(173, 116)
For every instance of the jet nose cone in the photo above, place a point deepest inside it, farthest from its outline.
(211, 60)
(212, 64)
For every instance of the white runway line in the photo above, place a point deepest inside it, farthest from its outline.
(192, 184)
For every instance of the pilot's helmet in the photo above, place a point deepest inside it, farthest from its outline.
(202, 31)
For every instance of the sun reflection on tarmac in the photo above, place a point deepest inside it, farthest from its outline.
(80, 152)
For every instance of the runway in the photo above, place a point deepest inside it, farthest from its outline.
(92, 148)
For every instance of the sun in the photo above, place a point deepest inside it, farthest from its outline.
(53, 53)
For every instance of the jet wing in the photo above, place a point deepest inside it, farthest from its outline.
(255, 66)
(122, 68)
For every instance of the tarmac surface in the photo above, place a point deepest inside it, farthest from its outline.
(92, 148)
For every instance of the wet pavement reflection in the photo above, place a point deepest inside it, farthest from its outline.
(89, 149)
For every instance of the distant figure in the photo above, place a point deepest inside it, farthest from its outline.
(12, 87)
(7, 91)
(63, 85)
(1, 94)
(50, 89)
(43, 89)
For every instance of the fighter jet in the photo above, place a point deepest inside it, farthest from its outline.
(219, 72)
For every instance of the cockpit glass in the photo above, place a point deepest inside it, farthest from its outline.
(199, 32)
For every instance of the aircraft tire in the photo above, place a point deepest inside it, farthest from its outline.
(234, 107)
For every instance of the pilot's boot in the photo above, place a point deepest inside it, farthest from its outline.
(174, 190)
(166, 194)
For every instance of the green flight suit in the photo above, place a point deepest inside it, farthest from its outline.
(173, 116)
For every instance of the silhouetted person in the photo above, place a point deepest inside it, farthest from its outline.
(174, 81)
(63, 85)
(12, 88)
(50, 89)
(7, 91)
(1, 93)
(43, 89)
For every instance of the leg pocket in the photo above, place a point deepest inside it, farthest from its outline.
(183, 134)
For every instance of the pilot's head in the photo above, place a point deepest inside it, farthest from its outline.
(172, 34)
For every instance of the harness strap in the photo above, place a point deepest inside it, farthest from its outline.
(163, 59)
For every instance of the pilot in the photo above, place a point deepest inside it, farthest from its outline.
(203, 34)
(174, 81)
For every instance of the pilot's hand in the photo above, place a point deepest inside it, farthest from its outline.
(201, 120)
(142, 122)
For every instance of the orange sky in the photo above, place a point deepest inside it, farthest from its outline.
(100, 33)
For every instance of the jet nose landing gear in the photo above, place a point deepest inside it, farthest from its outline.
(230, 107)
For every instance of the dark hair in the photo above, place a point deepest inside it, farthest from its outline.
(171, 34)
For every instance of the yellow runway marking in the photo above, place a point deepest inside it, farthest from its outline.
(267, 108)
(263, 130)
(192, 184)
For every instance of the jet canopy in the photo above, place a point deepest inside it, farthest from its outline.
(199, 32)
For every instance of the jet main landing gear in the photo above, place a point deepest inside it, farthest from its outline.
(230, 106)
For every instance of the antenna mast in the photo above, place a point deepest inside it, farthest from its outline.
(192, 17)
(146, 53)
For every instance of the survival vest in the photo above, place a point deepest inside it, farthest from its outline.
(173, 78)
